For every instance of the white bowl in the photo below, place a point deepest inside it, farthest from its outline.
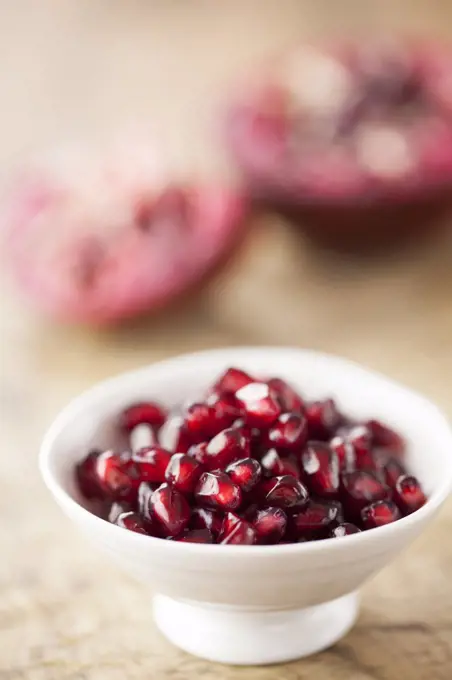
(252, 604)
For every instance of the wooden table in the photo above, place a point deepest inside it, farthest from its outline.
(74, 70)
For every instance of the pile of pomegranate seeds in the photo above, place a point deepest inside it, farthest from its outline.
(252, 463)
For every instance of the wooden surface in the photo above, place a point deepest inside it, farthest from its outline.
(76, 69)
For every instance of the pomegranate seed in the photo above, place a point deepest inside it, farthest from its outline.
(224, 448)
(360, 438)
(183, 441)
(379, 513)
(232, 380)
(283, 492)
(147, 413)
(344, 529)
(226, 410)
(290, 401)
(252, 435)
(245, 473)
(117, 509)
(145, 491)
(170, 509)
(217, 490)
(86, 475)
(361, 488)
(199, 452)
(320, 468)
(354, 448)
(274, 466)
(385, 438)
(196, 536)
(392, 470)
(141, 437)
(236, 531)
(289, 433)
(118, 475)
(174, 436)
(323, 419)
(260, 404)
(202, 518)
(152, 463)
(199, 422)
(269, 525)
(345, 452)
(131, 521)
(183, 472)
(315, 520)
(408, 494)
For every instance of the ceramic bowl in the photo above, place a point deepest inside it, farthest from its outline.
(252, 604)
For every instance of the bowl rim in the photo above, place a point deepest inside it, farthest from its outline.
(78, 404)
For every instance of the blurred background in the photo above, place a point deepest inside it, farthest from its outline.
(82, 70)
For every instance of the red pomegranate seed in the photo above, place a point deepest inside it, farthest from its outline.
(226, 410)
(392, 470)
(408, 494)
(173, 435)
(170, 509)
(354, 447)
(236, 531)
(283, 492)
(232, 380)
(323, 419)
(144, 412)
(145, 491)
(224, 448)
(345, 452)
(379, 513)
(141, 437)
(253, 436)
(245, 472)
(385, 438)
(196, 536)
(315, 520)
(216, 490)
(87, 479)
(274, 466)
(269, 525)
(290, 401)
(260, 404)
(202, 518)
(131, 521)
(118, 475)
(199, 422)
(320, 470)
(344, 529)
(289, 433)
(152, 463)
(183, 472)
(199, 453)
(117, 509)
(361, 488)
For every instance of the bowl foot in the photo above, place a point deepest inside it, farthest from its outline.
(243, 637)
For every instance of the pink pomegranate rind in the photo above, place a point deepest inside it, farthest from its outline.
(228, 487)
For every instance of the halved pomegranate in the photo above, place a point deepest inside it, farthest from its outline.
(99, 239)
(350, 125)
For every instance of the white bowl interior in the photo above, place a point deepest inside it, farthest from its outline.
(90, 420)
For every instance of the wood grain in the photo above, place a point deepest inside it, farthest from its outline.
(79, 69)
